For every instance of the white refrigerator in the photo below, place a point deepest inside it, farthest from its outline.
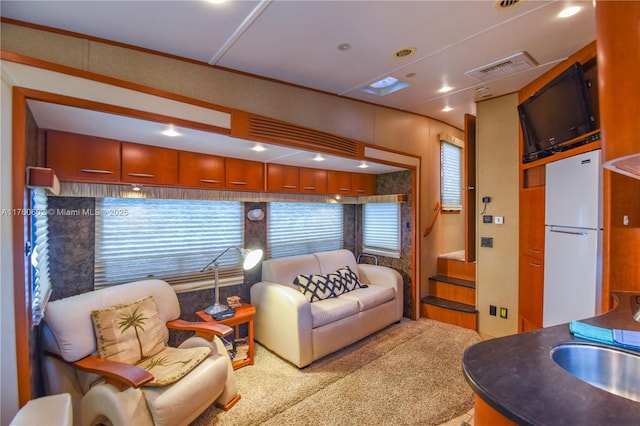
(573, 239)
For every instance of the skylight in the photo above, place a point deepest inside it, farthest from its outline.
(385, 86)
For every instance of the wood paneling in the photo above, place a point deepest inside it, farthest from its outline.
(281, 178)
(339, 182)
(147, 164)
(244, 175)
(363, 183)
(485, 415)
(313, 181)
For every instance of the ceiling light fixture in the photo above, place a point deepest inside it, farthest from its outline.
(318, 157)
(363, 164)
(216, 1)
(171, 131)
(447, 109)
(445, 89)
(259, 147)
(569, 11)
(385, 86)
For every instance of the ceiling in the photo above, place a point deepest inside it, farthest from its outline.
(298, 42)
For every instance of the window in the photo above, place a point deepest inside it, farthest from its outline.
(450, 176)
(167, 239)
(381, 229)
(299, 228)
(39, 256)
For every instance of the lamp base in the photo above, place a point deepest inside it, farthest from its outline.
(216, 308)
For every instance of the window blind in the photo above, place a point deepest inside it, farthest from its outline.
(381, 229)
(41, 279)
(300, 228)
(451, 176)
(167, 239)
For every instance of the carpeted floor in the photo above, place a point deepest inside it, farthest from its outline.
(407, 374)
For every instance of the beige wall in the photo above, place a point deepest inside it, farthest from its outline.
(379, 126)
(497, 177)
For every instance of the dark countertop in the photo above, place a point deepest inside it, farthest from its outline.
(517, 377)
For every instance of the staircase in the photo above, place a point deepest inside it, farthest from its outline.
(452, 294)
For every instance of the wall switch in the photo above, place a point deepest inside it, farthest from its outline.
(503, 313)
(486, 242)
(486, 200)
(499, 220)
(492, 310)
(487, 218)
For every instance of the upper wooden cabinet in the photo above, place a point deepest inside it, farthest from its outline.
(244, 175)
(147, 164)
(201, 170)
(82, 158)
(363, 183)
(618, 50)
(313, 181)
(282, 178)
(339, 182)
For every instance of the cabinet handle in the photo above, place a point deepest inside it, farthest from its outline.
(534, 251)
(143, 175)
(359, 190)
(344, 189)
(537, 265)
(309, 187)
(238, 183)
(289, 186)
(209, 181)
(103, 172)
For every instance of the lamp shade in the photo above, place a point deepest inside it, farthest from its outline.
(251, 258)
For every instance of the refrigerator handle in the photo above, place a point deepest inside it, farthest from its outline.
(568, 232)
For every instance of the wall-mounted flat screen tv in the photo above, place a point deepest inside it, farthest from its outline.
(560, 111)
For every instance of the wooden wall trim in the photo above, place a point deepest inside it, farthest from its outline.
(21, 294)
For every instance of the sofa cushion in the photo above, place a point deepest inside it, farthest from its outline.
(170, 364)
(370, 297)
(319, 287)
(348, 279)
(331, 310)
(331, 261)
(284, 270)
(129, 332)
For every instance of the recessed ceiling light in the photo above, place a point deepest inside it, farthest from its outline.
(318, 157)
(216, 1)
(447, 109)
(363, 164)
(170, 131)
(136, 187)
(344, 46)
(259, 147)
(569, 11)
(385, 86)
(445, 89)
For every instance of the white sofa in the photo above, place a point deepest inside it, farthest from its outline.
(301, 331)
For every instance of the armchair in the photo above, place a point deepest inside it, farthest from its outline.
(121, 392)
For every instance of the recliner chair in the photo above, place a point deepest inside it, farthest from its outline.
(119, 392)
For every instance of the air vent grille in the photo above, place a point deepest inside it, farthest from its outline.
(505, 4)
(502, 67)
(261, 128)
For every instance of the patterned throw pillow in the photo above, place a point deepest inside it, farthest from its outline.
(348, 279)
(129, 332)
(170, 364)
(318, 287)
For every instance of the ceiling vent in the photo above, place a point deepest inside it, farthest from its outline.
(505, 4)
(503, 67)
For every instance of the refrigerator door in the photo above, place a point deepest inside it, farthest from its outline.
(572, 274)
(573, 191)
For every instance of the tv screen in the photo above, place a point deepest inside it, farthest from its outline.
(559, 112)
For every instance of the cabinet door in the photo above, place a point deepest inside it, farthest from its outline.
(282, 178)
(532, 222)
(363, 183)
(531, 288)
(244, 175)
(147, 164)
(339, 182)
(201, 170)
(83, 158)
(313, 181)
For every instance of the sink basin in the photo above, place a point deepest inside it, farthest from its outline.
(614, 371)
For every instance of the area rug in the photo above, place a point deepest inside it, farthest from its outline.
(410, 373)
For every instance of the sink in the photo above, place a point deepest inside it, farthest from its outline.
(615, 371)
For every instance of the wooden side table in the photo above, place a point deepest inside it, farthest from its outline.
(244, 314)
